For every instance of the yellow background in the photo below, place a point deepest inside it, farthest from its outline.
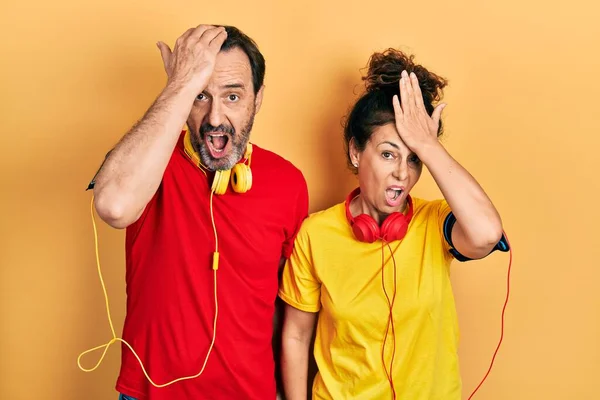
(522, 117)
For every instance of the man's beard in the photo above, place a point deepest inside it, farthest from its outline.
(239, 141)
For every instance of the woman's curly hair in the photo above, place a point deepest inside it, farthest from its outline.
(374, 108)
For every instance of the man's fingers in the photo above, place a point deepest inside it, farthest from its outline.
(198, 32)
(165, 53)
(210, 34)
(184, 36)
(218, 40)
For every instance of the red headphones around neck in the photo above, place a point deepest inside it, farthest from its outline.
(366, 229)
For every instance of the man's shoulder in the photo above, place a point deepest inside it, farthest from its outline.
(277, 164)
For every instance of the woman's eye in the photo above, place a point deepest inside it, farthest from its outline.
(387, 155)
(201, 97)
(414, 159)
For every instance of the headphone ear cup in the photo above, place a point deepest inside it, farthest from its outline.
(394, 227)
(365, 228)
(241, 178)
(220, 182)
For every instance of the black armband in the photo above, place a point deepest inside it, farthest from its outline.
(449, 222)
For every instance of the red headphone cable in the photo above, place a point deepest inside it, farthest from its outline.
(502, 320)
(391, 317)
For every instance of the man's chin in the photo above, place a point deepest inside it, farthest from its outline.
(219, 166)
(226, 161)
(215, 164)
(222, 163)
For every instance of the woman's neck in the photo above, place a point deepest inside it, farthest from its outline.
(360, 205)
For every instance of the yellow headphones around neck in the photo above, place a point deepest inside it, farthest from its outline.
(240, 175)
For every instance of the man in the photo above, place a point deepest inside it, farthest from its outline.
(157, 183)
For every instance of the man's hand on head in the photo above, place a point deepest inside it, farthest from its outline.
(192, 61)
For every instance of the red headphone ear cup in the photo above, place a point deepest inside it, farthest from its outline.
(394, 227)
(365, 228)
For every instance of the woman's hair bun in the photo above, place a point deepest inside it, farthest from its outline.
(385, 69)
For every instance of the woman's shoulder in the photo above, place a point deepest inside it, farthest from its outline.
(321, 220)
(425, 207)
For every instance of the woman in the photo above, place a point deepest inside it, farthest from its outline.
(375, 268)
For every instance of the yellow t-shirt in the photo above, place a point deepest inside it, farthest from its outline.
(332, 273)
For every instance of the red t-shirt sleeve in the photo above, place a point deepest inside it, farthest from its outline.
(299, 214)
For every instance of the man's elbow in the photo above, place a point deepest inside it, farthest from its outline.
(114, 211)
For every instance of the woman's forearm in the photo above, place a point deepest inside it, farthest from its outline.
(478, 225)
(294, 368)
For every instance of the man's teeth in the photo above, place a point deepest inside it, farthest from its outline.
(210, 137)
(221, 141)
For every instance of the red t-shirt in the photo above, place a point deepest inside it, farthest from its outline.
(170, 298)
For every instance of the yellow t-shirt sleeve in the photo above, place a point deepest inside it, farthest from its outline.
(300, 287)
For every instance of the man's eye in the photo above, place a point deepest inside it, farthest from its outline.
(233, 97)
(201, 97)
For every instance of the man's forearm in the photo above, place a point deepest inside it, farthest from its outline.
(133, 170)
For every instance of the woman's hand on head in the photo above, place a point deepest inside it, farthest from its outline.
(417, 129)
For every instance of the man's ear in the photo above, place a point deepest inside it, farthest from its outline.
(258, 98)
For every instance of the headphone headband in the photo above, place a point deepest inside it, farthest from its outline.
(349, 199)
(366, 229)
(240, 175)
